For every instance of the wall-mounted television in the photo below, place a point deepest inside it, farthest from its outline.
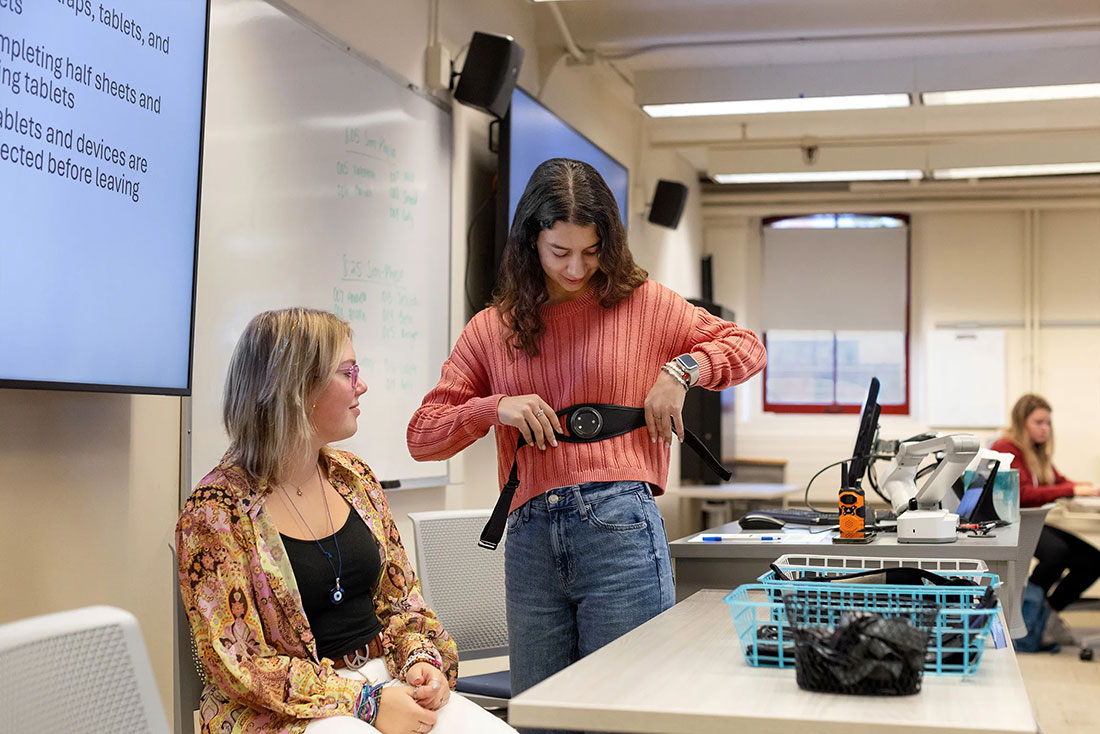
(530, 134)
(100, 138)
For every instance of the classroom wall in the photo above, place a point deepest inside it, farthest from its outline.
(966, 265)
(89, 483)
(88, 500)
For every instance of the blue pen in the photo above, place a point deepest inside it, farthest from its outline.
(712, 538)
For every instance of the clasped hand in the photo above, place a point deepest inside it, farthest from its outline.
(412, 709)
(399, 712)
(430, 688)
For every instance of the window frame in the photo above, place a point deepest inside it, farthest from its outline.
(835, 407)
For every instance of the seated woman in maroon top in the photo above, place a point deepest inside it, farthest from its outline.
(1030, 440)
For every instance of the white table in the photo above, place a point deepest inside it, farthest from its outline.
(714, 565)
(742, 492)
(683, 673)
(743, 495)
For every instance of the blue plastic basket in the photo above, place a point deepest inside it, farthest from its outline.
(800, 566)
(956, 641)
(803, 567)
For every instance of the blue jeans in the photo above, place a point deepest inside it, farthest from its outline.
(584, 565)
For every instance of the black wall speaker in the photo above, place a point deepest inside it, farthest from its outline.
(668, 203)
(490, 72)
(706, 278)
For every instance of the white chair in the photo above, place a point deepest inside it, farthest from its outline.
(84, 670)
(464, 585)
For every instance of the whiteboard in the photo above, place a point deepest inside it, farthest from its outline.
(966, 378)
(326, 183)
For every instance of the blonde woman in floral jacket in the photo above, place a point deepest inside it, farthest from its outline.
(303, 606)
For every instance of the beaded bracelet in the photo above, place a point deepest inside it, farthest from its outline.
(367, 707)
(672, 370)
(421, 655)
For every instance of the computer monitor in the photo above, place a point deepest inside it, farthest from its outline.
(865, 439)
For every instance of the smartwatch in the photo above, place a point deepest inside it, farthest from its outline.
(690, 367)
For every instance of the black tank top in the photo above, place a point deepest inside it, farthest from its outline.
(339, 628)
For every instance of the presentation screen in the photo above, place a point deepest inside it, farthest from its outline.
(100, 137)
(533, 134)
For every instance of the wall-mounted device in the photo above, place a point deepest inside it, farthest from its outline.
(489, 73)
(668, 203)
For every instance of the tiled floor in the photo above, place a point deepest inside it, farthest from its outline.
(1064, 690)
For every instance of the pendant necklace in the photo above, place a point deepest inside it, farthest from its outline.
(336, 595)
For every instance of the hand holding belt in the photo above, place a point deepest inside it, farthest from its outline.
(587, 422)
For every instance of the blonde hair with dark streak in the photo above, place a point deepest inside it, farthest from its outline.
(1036, 456)
(560, 190)
(282, 362)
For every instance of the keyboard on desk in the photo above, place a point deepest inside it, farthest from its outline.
(801, 516)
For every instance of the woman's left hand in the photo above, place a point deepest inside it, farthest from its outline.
(663, 407)
(430, 688)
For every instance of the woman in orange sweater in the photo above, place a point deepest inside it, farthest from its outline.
(576, 321)
(1030, 440)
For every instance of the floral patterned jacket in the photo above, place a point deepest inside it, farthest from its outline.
(246, 615)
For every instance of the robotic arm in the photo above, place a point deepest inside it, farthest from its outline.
(919, 520)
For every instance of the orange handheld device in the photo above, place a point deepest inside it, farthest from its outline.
(853, 511)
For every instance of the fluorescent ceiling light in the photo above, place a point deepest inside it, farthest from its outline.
(1012, 94)
(817, 176)
(765, 106)
(1041, 169)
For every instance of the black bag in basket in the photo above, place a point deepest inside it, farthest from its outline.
(878, 651)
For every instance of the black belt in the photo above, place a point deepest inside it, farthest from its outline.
(587, 422)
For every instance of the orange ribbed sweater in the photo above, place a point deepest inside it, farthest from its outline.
(588, 354)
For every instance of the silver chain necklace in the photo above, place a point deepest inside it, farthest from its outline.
(336, 595)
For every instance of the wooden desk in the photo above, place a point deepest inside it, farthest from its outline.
(683, 673)
(710, 565)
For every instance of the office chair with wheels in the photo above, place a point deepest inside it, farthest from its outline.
(1032, 520)
(78, 671)
(1065, 518)
(1032, 605)
(464, 585)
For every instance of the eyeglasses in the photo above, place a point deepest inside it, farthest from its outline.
(352, 373)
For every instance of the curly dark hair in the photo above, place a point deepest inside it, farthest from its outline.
(560, 190)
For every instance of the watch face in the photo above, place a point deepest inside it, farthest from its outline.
(687, 362)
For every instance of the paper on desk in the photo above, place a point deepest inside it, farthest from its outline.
(1083, 504)
(764, 537)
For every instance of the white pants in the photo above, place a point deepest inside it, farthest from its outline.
(459, 716)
